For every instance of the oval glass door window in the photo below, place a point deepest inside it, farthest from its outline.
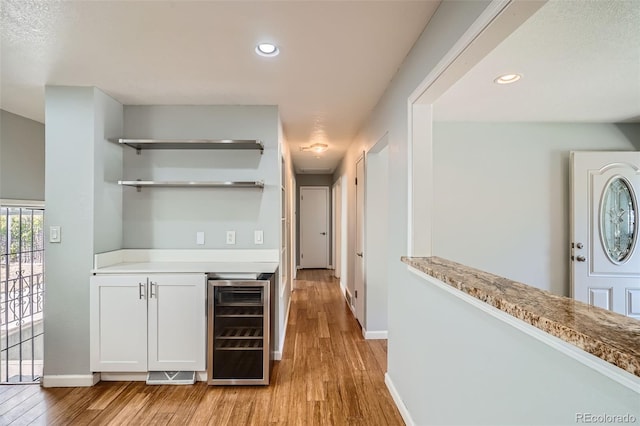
(618, 212)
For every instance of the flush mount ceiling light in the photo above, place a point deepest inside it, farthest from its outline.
(316, 147)
(507, 78)
(267, 49)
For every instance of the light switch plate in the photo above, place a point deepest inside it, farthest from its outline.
(258, 237)
(231, 237)
(200, 238)
(54, 234)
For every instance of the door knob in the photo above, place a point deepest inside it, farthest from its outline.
(581, 258)
(359, 254)
(323, 233)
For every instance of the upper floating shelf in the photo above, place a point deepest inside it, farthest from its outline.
(140, 144)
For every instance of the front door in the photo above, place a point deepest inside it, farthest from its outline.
(605, 256)
(314, 227)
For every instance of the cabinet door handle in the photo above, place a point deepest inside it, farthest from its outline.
(153, 290)
(140, 291)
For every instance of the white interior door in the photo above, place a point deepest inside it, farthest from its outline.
(314, 227)
(359, 296)
(605, 266)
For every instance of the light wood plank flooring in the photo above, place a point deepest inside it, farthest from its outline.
(328, 375)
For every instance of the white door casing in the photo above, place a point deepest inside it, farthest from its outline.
(605, 277)
(314, 227)
(337, 231)
(359, 277)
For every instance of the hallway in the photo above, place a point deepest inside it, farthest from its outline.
(328, 375)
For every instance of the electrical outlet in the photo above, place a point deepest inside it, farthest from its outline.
(231, 237)
(200, 238)
(258, 237)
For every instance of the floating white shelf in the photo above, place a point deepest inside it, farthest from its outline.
(139, 184)
(140, 144)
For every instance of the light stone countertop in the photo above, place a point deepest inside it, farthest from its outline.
(186, 267)
(177, 261)
(610, 336)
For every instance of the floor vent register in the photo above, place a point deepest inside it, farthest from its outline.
(171, 377)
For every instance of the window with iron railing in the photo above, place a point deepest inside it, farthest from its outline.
(21, 293)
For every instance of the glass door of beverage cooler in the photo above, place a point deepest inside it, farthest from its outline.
(238, 332)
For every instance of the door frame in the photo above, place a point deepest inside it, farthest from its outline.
(372, 285)
(336, 206)
(361, 299)
(327, 222)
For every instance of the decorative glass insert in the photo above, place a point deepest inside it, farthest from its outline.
(618, 212)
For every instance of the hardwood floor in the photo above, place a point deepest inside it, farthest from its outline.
(328, 375)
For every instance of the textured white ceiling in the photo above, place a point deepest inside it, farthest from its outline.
(336, 57)
(580, 62)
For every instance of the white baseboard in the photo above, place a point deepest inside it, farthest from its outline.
(375, 335)
(70, 380)
(201, 376)
(124, 377)
(404, 412)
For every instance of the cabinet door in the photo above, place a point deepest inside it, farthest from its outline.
(177, 322)
(118, 323)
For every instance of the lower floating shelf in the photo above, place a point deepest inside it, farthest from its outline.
(189, 184)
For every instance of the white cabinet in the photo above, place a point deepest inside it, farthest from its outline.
(177, 322)
(118, 321)
(151, 322)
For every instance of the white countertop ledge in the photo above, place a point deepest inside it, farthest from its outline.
(149, 261)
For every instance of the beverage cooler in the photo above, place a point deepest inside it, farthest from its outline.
(240, 330)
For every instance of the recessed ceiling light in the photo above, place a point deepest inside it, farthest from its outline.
(508, 78)
(267, 49)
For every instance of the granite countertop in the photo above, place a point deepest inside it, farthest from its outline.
(607, 335)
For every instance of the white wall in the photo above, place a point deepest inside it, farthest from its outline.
(501, 201)
(377, 239)
(83, 167)
(21, 158)
(108, 156)
(390, 115)
(426, 344)
(478, 370)
(170, 217)
(79, 119)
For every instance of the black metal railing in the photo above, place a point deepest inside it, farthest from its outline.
(23, 299)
